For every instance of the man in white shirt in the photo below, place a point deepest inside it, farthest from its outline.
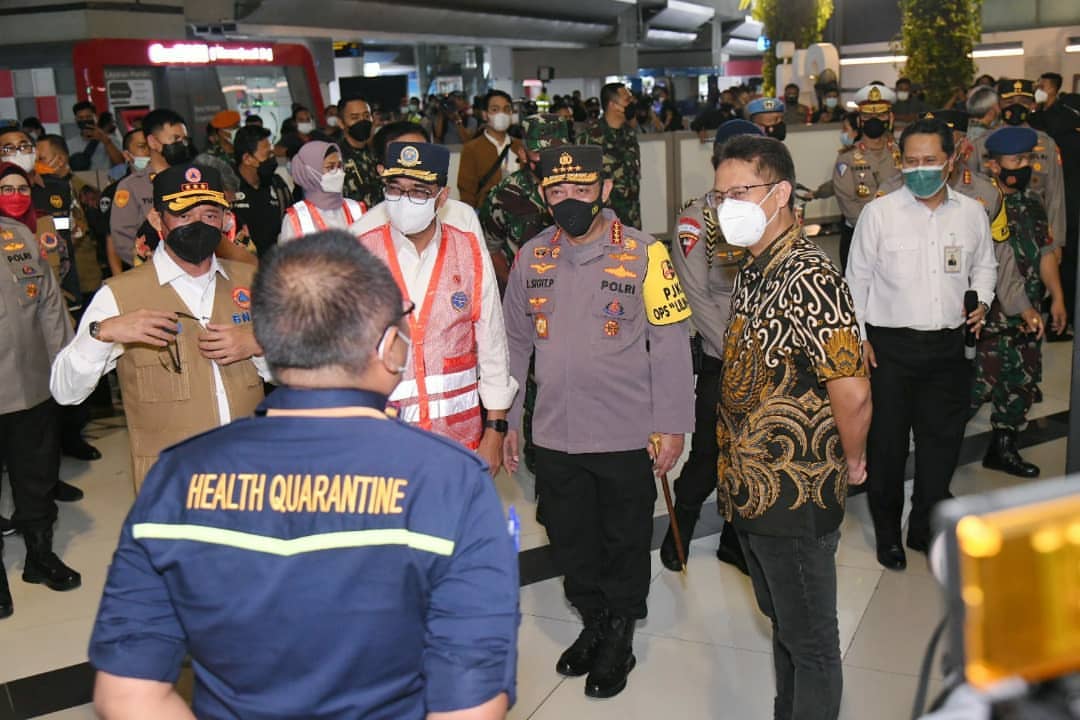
(914, 255)
(460, 358)
(178, 328)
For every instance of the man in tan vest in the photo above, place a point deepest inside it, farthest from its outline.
(178, 329)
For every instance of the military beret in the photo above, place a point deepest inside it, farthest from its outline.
(765, 105)
(184, 186)
(1011, 141)
(425, 162)
(580, 164)
(225, 119)
(1007, 88)
(731, 128)
(956, 119)
(873, 99)
(544, 131)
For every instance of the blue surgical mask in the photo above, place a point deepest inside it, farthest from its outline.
(924, 182)
(140, 161)
(845, 140)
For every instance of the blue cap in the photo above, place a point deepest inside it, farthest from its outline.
(425, 162)
(764, 105)
(1011, 141)
(731, 128)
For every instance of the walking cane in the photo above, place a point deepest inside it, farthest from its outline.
(655, 440)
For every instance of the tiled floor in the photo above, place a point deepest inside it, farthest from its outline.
(704, 651)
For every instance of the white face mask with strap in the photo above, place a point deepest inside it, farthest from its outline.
(743, 222)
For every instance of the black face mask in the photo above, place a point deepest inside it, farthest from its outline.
(576, 216)
(176, 153)
(777, 131)
(360, 131)
(193, 242)
(266, 169)
(1015, 114)
(874, 128)
(792, 99)
(630, 110)
(1016, 179)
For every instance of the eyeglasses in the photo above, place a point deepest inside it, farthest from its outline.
(21, 147)
(418, 196)
(172, 350)
(735, 192)
(14, 190)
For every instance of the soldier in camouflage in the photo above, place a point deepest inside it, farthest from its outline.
(1009, 363)
(514, 211)
(622, 154)
(362, 180)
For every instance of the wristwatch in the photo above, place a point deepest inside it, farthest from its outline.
(95, 330)
(499, 426)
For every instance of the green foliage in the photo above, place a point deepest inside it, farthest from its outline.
(800, 21)
(938, 36)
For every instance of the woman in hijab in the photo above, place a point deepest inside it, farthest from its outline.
(15, 200)
(317, 169)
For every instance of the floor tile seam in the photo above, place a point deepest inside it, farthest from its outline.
(547, 697)
(862, 617)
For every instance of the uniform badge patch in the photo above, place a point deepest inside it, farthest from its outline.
(239, 195)
(623, 257)
(31, 290)
(242, 297)
(537, 302)
(542, 268)
(620, 272)
(614, 309)
(541, 325)
(105, 204)
(49, 241)
(611, 328)
(629, 244)
(193, 175)
(555, 251)
(28, 270)
(56, 201)
(540, 252)
(122, 198)
(841, 168)
(14, 246)
(667, 270)
(459, 300)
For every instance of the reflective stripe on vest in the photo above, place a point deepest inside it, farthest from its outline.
(306, 219)
(441, 409)
(441, 384)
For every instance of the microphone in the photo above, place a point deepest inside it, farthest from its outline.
(971, 302)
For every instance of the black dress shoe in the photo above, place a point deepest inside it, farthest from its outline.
(892, 557)
(1058, 337)
(1003, 455)
(6, 606)
(6, 528)
(66, 492)
(687, 519)
(43, 567)
(918, 543)
(615, 659)
(730, 550)
(579, 658)
(81, 450)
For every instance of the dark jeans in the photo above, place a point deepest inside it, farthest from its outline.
(598, 510)
(30, 450)
(794, 581)
(847, 232)
(923, 384)
(698, 476)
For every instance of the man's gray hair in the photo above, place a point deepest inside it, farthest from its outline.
(981, 100)
(322, 301)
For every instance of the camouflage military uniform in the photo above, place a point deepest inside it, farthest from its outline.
(622, 164)
(362, 181)
(1009, 363)
(219, 152)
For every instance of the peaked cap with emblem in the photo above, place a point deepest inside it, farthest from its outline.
(1007, 88)
(1010, 140)
(184, 186)
(544, 131)
(955, 119)
(579, 164)
(733, 127)
(765, 105)
(873, 99)
(425, 162)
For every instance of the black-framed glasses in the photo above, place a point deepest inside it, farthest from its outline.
(172, 350)
(14, 189)
(418, 196)
(735, 192)
(23, 147)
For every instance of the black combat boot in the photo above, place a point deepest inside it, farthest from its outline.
(687, 518)
(730, 550)
(1002, 455)
(615, 659)
(42, 564)
(6, 606)
(579, 658)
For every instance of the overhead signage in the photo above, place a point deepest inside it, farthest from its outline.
(203, 54)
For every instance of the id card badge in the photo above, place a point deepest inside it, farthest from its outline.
(952, 258)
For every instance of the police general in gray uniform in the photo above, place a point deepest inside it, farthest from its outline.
(601, 306)
(34, 326)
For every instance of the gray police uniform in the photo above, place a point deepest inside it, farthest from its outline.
(860, 175)
(1047, 178)
(608, 374)
(133, 199)
(35, 326)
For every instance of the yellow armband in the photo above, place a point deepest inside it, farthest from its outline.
(665, 301)
(999, 228)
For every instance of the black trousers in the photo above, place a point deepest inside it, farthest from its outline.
(923, 384)
(598, 511)
(698, 476)
(30, 450)
(846, 233)
(1068, 264)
